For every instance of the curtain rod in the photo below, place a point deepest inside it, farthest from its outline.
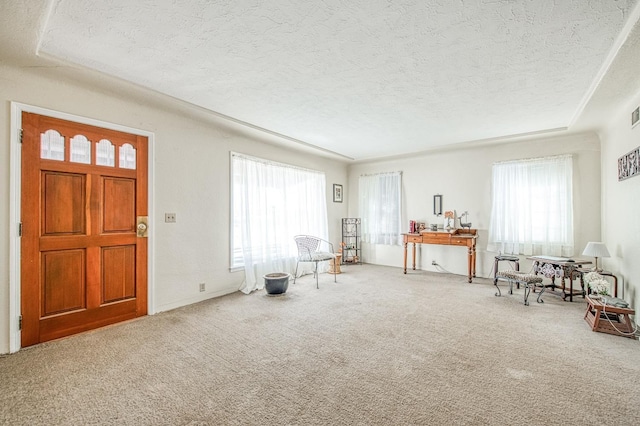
(552, 157)
(271, 162)
(382, 173)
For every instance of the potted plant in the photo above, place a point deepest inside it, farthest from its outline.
(597, 283)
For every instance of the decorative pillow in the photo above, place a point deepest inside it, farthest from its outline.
(615, 301)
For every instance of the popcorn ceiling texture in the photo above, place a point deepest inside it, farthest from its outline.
(364, 78)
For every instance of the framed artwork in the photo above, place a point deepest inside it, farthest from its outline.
(437, 205)
(635, 117)
(629, 164)
(337, 193)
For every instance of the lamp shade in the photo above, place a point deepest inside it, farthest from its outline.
(594, 249)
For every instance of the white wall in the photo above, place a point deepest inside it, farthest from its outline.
(621, 204)
(463, 177)
(191, 176)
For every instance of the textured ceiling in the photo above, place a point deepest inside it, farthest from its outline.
(361, 78)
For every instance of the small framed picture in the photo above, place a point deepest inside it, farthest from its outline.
(629, 164)
(635, 117)
(337, 193)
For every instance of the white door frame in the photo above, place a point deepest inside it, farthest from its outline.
(15, 190)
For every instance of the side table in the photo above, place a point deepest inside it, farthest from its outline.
(609, 319)
(568, 269)
(334, 264)
(511, 259)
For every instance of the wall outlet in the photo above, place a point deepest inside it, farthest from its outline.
(433, 262)
(202, 286)
(170, 218)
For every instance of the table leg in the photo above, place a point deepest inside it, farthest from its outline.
(563, 286)
(571, 270)
(571, 286)
(405, 257)
(469, 263)
(414, 256)
(474, 260)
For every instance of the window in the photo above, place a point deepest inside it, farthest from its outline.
(52, 145)
(532, 207)
(105, 153)
(380, 200)
(271, 203)
(80, 149)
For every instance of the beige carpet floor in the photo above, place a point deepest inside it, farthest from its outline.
(377, 348)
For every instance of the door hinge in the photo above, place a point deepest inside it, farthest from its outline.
(21, 135)
(20, 323)
(20, 229)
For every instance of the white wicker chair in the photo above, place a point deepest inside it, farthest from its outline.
(309, 250)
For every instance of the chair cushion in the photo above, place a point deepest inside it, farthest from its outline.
(520, 276)
(317, 256)
(507, 257)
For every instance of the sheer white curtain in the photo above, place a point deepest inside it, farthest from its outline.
(380, 201)
(532, 207)
(272, 203)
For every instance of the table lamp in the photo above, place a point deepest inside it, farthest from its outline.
(596, 249)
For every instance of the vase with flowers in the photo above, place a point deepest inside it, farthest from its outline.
(597, 284)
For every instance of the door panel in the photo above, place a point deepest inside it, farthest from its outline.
(63, 279)
(118, 273)
(63, 206)
(119, 206)
(82, 265)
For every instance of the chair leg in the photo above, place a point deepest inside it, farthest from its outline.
(335, 270)
(296, 273)
(316, 274)
(495, 282)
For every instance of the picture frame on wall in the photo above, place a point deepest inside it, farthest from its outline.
(337, 193)
(437, 205)
(629, 164)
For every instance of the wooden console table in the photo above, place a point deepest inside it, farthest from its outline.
(459, 237)
(569, 268)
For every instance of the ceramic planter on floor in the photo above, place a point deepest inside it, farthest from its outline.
(276, 282)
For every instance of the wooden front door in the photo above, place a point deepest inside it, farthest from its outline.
(82, 264)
